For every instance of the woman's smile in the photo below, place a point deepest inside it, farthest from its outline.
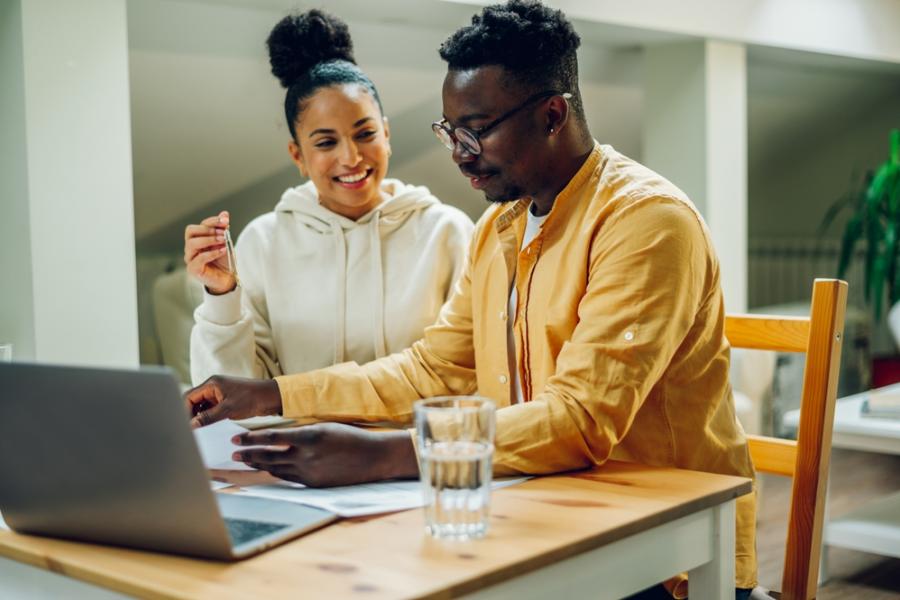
(354, 181)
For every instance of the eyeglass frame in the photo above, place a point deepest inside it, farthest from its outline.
(476, 134)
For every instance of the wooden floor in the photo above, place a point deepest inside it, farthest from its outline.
(856, 477)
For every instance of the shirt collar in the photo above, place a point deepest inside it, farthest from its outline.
(519, 207)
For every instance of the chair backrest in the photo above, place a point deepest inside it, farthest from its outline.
(819, 336)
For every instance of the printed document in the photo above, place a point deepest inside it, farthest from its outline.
(216, 448)
(356, 500)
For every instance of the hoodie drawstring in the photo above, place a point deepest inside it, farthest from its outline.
(378, 274)
(340, 297)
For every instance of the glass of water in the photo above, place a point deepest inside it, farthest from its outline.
(456, 449)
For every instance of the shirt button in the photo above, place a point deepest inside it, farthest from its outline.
(629, 336)
(502, 315)
(503, 379)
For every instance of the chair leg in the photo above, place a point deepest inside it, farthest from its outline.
(823, 555)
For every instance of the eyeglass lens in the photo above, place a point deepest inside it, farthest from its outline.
(469, 142)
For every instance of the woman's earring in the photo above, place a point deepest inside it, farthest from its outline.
(551, 130)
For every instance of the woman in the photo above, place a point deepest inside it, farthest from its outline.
(350, 266)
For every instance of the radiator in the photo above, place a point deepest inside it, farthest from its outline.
(782, 270)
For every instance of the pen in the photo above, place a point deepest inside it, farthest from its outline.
(232, 257)
(201, 406)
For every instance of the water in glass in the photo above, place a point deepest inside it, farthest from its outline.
(456, 448)
(456, 481)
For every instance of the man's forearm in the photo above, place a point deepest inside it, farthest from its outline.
(397, 459)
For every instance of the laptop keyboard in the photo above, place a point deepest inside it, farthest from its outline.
(243, 530)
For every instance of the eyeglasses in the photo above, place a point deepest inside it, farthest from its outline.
(470, 138)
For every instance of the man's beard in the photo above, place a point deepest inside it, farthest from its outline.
(510, 194)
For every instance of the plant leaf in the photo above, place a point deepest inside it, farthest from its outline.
(833, 211)
(877, 187)
(871, 230)
(893, 225)
(852, 232)
(895, 294)
(880, 266)
(893, 193)
(895, 146)
(890, 258)
(876, 217)
(875, 207)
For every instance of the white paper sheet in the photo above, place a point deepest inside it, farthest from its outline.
(216, 448)
(219, 485)
(355, 500)
(3, 524)
(265, 422)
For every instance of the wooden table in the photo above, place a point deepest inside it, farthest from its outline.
(603, 533)
(875, 526)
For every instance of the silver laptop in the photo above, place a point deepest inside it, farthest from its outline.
(108, 456)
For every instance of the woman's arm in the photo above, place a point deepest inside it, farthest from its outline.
(232, 334)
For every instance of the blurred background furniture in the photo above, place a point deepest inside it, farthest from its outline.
(874, 527)
(787, 379)
(752, 380)
(175, 296)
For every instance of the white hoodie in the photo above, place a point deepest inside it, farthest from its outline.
(319, 289)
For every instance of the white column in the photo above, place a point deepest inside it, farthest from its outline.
(67, 261)
(726, 165)
(695, 134)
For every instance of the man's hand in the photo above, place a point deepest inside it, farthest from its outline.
(330, 454)
(221, 397)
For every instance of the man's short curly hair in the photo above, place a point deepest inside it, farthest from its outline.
(532, 42)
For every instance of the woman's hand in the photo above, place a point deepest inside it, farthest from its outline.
(329, 454)
(205, 254)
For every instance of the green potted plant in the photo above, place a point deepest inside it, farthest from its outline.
(875, 217)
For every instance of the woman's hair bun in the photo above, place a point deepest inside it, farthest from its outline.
(301, 41)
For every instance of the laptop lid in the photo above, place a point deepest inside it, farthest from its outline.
(106, 456)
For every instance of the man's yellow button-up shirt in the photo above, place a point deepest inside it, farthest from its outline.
(619, 335)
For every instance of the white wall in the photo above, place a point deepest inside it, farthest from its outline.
(674, 123)
(858, 28)
(792, 186)
(72, 202)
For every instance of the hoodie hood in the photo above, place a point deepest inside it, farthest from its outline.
(302, 202)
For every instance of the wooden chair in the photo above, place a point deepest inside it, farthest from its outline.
(807, 459)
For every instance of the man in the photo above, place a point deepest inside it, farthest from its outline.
(590, 310)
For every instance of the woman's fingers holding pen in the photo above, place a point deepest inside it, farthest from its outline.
(206, 254)
(192, 231)
(219, 221)
(209, 233)
(201, 243)
(199, 260)
(207, 268)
